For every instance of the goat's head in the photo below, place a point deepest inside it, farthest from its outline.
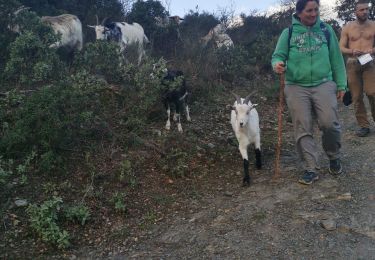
(205, 39)
(242, 108)
(14, 26)
(159, 69)
(101, 30)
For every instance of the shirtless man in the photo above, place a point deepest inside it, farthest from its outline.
(357, 38)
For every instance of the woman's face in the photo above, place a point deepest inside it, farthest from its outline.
(309, 14)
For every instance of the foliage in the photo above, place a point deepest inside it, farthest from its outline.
(144, 13)
(44, 220)
(101, 58)
(346, 10)
(52, 120)
(118, 200)
(5, 170)
(79, 213)
(6, 36)
(31, 61)
(232, 61)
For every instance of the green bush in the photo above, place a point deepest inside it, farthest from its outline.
(31, 60)
(101, 58)
(79, 213)
(44, 221)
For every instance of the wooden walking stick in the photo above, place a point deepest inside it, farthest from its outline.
(280, 111)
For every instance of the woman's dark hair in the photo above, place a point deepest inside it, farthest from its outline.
(301, 4)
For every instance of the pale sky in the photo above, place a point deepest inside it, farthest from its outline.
(182, 7)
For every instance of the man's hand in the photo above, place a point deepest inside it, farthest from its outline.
(279, 67)
(340, 95)
(370, 51)
(356, 52)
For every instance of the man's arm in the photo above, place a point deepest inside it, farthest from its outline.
(344, 42)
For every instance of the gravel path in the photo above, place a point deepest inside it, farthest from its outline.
(332, 219)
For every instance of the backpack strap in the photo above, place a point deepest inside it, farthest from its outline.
(327, 34)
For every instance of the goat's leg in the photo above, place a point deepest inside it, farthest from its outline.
(188, 118)
(243, 151)
(258, 153)
(168, 124)
(178, 117)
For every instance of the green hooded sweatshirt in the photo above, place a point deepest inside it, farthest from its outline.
(309, 60)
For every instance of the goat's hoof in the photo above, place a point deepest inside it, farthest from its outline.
(188, 119)
(168, 128)
(246, 182)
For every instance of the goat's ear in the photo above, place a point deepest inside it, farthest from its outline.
(91, 26)
(253, 106)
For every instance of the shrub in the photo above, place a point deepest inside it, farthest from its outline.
(31, 61)
(80, 213)
(44, 221)
(101, 58)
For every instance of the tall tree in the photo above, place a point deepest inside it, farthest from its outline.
(345, 9)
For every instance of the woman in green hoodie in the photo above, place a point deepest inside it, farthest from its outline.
(308, 53)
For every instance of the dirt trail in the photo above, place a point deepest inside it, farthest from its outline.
(280, 220)
(332, 219)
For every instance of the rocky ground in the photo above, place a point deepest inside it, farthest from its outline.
(189, 202)
(332, 219)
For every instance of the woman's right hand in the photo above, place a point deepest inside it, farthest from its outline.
(279, 67)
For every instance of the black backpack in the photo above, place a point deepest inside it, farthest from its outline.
(324, 29)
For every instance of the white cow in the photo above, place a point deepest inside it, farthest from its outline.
(123, 33)
(219, 36)
(68, 26)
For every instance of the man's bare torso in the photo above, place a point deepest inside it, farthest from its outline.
(357, 36)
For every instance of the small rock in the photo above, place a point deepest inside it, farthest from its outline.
(210, 145)
(21, 203)
(345, 196)
(156, 132)
(228, 194)
(328, 224)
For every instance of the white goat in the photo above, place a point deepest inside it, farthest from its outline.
(219, 36)
(67, 25)
(245, 124)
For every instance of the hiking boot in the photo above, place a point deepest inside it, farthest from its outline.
(308, 177)
(335, 167)
(363, 131)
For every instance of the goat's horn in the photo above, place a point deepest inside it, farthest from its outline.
(238, 98)
(247, 98)
(21, 8)
(97, 19)
(104, 20)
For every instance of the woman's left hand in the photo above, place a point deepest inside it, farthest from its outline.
(340, 95)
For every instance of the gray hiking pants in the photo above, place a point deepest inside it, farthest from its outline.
(303, 104)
